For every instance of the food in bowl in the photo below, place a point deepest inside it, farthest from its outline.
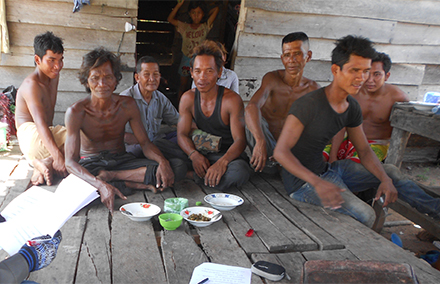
(201, 216)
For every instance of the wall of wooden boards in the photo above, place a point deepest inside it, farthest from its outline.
(409, 31)
(99, 24)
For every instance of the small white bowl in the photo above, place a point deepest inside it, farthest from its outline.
(139, 211)
(205, 211)
(223, 201)
(423, 106)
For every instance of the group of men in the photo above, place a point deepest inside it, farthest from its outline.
(114, 141)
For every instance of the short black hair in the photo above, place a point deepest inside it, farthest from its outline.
(385, 59)
(197, 4)
(352, 45)
(208, 47)
(145, 59)
(96, 58)
(295, 36)
(47, 41)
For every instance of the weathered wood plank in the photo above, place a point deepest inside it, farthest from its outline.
(63, 267)
(60, 14)
(68, 79)
(325, 240)
(23, 56)
(21, 34)
(239, 226)
(418, 122)
(66, 99)
(398, 141)
(342, 254)
(135, 255)
(302, 241)
(94, 264)
(292, 262)
(317, 25)
(181, 255)
(128, 4)
(17, 182)
(401, 10)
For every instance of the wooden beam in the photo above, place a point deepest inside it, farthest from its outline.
(424, 12)
(128, 4)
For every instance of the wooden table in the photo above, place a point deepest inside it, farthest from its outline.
(405, 119)
(100, 248)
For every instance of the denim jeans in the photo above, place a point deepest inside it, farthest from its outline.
(355, 177)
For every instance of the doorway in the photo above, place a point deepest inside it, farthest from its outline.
(158, 38)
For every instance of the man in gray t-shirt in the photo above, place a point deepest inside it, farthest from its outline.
(154, 106)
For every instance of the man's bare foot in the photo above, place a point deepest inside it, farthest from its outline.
(106, 175)
(37, 178)
(45, 168)
(137, 185)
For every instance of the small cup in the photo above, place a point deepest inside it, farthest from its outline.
(175, 205)
(170, 221)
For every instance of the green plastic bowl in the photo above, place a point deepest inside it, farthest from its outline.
(170, 221)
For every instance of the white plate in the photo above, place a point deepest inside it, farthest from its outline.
(205, 211)
(139, 211)
(423, 106)
(223, 201)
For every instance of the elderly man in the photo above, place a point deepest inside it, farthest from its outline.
(268, 108)
(95, 149)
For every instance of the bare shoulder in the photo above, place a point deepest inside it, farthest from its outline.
(272, 77)
(30, 87)
(232, 99)
(395, 93)
(313, 85)
(187, 99)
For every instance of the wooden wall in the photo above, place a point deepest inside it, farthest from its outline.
(98, 24)
(407, 30)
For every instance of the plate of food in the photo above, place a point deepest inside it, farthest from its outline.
(201, 216)
(423, 106)
(139, 211)
(223, 201)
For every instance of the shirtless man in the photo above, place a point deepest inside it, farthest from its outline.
(218, 111)
(41, 143)
(376, 99)
(269, 107)
(95, 136)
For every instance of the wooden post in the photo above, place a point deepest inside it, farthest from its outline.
(398, 141)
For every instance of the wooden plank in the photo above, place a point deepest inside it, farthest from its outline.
(239, 226)
(17, 182)
(401, 10)
(23, 56)
(432, 73)
(426, 222)
(21, 34)
(68, 79)
(269, 46)
(366, 244)
(293, 263)
(318, 25)
(63, 267)
(180, 255)
(423, 89)
(341, 254)
(325, 240)
(398, 141)
(28, 11)
(128, 4)
(66, 99)
(94, 264)
(134, 253)
(418, 122)
(302, 241)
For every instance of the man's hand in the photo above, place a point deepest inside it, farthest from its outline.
(215, 173)
(200, 164)
(164, 176)
(259, 156)
(59, 166)
(330, 194)
(387, 188)
(107, 192)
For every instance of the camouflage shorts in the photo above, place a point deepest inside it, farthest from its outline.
(205, 142)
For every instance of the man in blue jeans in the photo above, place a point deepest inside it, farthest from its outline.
(314, 119)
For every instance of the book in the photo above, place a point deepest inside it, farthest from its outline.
(37, 212)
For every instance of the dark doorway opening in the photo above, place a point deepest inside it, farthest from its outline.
(158, 38)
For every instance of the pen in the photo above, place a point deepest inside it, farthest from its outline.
(203, 281)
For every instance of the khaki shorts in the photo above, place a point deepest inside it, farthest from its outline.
(31, 144)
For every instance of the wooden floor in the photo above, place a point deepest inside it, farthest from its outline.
(100, 248)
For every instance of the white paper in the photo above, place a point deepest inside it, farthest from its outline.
(221, 274)
(37, 212)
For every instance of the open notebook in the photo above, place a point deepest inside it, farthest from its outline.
(38, 212)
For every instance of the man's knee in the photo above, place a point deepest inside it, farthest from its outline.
(393, 172)
(179, 168)
(238, 172)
